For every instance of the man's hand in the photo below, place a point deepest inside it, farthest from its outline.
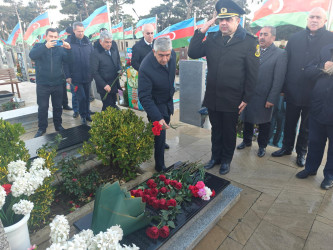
(269, 105)
(164, 124)
(50, 44)
(242, 107)
(209, 23)
(107, 88)
(328, 65)
(66, 45)
(69, 80)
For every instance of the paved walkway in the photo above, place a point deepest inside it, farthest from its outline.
(275, 211)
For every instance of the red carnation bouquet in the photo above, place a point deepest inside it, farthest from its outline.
(157, 128)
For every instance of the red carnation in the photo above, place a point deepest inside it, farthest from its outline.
(145, 198)
(173, 183)
(163, 204)
(194, 190)
(156, 204)
(162, 177)
(178, 185)
(133, 193)
(139, 193)
(70, 202)
(74, 180)
(7, 188)
(146, 191)
(157, 127)
(151, 183)
(153, 192)
(172, 203)
(164, 232)
(128, 62)
(163, 190)
(213, 193)
(151, 200)
(77, 206)
(166, 181)
(76, 88)
(152, 232)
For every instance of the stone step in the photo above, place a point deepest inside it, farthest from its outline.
(25, 115)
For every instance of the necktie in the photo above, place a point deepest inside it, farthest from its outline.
(225, 39)
(108, 52)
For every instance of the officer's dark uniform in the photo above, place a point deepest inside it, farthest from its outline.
(231, 78)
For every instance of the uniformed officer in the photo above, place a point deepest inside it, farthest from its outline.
(233, 61)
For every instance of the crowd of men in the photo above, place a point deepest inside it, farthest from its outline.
(244, 80)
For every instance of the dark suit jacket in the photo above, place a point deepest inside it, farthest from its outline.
(139, 52)
(156, 87)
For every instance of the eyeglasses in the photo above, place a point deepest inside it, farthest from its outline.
(149, 33)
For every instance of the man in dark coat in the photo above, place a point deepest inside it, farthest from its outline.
(105, 64)
(142, 47)
(233, 61)
(302, 48)
(321, 118)
(49, 78)
(272, 71)
(156, 88)
(78, 71)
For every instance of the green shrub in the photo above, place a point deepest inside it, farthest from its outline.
(121, 140)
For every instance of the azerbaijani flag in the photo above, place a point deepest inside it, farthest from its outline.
(283, 12)
(200, 23)
(118, 31)
(37, 27)
(128, 33)
(179, 33)
(63, 34)
(138, 31)
(15, 35)
(97, 20)
(3, 42)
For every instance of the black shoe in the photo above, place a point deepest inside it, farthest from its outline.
(66, 107)
(304, 174)
(59, 128)
(300, 160)
(39, 133)
(76, 115)
(327, 183)
(281, 152)
(261, 152)
(243, 145)
(211, 164)
(88, 118)
(225, 168)
(91, 112)
(166, 146)
(160, 169)
(83, 121)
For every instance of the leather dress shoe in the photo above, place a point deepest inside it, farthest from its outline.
(88, 118)
(327, 183)
(243, 145)
(39, 133)
(76, 115)
(300, 160)
(66, 107)
(304, 174)
(59, 128)
(166, 146)
(225, 168)
(281, 152)
(261, 152)
(83, 121)
(211, 164)
(160, 169)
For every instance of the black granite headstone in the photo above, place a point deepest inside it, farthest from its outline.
(70, 137)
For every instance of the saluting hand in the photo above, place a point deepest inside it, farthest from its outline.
(209, 23)
(242, 107)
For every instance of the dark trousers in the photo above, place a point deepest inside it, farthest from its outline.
(43, 96)
(110, 100)
(318, 135)
(292, 116)
(263, 135)
(82, 95)
(64, 96)
(277, 122)
(159, 146)
(223, 135)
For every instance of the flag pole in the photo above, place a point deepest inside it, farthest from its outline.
(156, 23)
(122, 21)
(195, 20)
(109, 18)
(23, 51)
(330, 16)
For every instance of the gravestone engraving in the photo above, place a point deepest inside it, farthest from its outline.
(192, 89)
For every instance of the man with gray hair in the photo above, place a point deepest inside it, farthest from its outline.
(272, 70)
(156, 88)
(105, 64)
(302, 48)
(77, 72)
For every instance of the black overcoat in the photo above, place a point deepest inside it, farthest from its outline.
(156, 87)
(232, 68)
(139, 52)
(301, 50)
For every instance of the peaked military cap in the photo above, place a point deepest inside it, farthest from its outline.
(228, 8)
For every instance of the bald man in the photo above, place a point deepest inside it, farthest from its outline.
(302, 48)
(143, 47)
